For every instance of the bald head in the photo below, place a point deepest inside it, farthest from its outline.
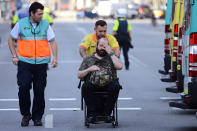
(102, 40)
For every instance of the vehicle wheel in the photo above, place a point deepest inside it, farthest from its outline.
(113, 124)
(116, 123)
(87, 125)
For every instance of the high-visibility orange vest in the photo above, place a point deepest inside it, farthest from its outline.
(33, 46)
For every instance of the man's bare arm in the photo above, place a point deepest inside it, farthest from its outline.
(12, 46)
(82, 52)
(83, 73)
(54, 52)
(13, 50)
(117, 52)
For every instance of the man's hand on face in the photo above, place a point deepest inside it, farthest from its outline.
(107, 48)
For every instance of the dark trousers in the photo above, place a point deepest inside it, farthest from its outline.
(27, 75)
(125, 50)
(93, 101)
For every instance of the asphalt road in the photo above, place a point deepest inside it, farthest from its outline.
(142, 104)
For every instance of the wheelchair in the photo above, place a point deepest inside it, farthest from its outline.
(100, 117)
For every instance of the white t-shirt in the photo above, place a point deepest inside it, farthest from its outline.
(16, 31)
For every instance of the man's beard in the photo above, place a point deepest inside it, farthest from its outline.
(101, 52)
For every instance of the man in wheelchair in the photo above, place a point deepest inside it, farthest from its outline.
(99, 74)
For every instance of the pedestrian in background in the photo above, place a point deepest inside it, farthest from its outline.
(122, 32)
(32, 58)
(47, 16)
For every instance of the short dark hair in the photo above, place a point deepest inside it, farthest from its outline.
(101, 23)
(34, 6)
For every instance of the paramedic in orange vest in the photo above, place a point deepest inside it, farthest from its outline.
(88, 43)
(32, 57)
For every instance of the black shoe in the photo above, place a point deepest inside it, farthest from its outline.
(37, 123)
(108, 119)
(25, 120)
(127, 67)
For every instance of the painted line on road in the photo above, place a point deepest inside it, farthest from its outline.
(64, 109)
(74, 99)
(130, 108)
(138, 61)
(2, 100)
(60, 62)
(124, 98)
(77, 109)
(10, 109)
(49, 121)
(62, 99)
(170, 98)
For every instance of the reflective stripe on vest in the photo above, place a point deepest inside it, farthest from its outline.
(33, 48)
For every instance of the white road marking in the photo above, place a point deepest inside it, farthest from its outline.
(64, 109)
(60, 62)
(170, 98)
(138, 61)
(77, 109)
(49, 121)
(10, 109)
(124, 98)
(1, 100)
(62, 99)
(130, 108)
